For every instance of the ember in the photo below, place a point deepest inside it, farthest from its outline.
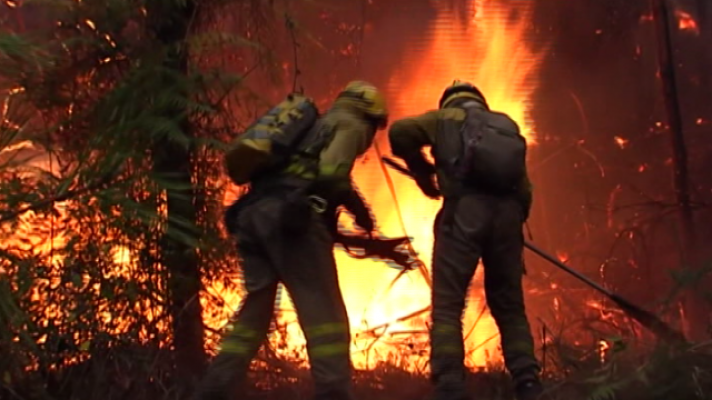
(685, 22)
(621, 142)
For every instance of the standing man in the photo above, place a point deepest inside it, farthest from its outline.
(284, 230)
(481, 173)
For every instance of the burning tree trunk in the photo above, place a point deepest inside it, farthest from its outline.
(704, 11)
(172, 160)
(694, 306)
(661, 17)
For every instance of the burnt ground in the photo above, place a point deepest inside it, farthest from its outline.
(662, 374)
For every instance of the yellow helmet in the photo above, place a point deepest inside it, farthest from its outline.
(368, 99)
(460, 89)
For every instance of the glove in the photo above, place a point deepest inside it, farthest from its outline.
(525, 200)
(354, 203)
(424, 174)
(418, 165)
(365, 221)
(426, 183)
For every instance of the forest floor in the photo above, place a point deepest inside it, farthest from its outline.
(660, 375)
(385, 384)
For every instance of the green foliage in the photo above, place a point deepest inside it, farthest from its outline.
(86, 105)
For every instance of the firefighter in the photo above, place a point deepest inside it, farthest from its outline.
(472, 223)
(284, 235)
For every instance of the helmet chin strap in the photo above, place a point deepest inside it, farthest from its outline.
(461, 100)
(472, 103)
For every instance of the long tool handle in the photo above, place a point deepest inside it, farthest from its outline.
(394, 164)
(541, 253)
(646, 318)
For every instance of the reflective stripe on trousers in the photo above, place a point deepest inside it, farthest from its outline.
(305, 264)
(487, 227)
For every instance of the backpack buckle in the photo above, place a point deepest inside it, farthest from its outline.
(319, 204)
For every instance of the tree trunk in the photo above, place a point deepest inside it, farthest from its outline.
(704, 12)
(661, 16)
(172, 161)
(694, 306)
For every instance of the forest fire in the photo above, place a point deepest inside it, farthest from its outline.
(44, 240)
(389, 317)
(389, 323)
(117, 274)
(488, 47)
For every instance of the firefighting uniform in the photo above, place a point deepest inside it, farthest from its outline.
(283, 238)
(471, 224)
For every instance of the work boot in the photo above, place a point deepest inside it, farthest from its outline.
(529, 390)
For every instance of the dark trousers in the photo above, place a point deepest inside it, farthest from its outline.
(466, 229)
(303, 261)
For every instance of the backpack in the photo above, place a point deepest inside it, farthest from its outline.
(487, 152)
(272, 139)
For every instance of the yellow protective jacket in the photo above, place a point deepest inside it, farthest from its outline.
(408, 136)
(352, 135)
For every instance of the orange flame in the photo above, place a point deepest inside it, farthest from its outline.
(562, 256)
(603, 348)
(488, 48)
(621, 142)
(685, 22)
(44, 237)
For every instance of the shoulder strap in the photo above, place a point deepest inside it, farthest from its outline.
(317, 139)
(475, 118)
